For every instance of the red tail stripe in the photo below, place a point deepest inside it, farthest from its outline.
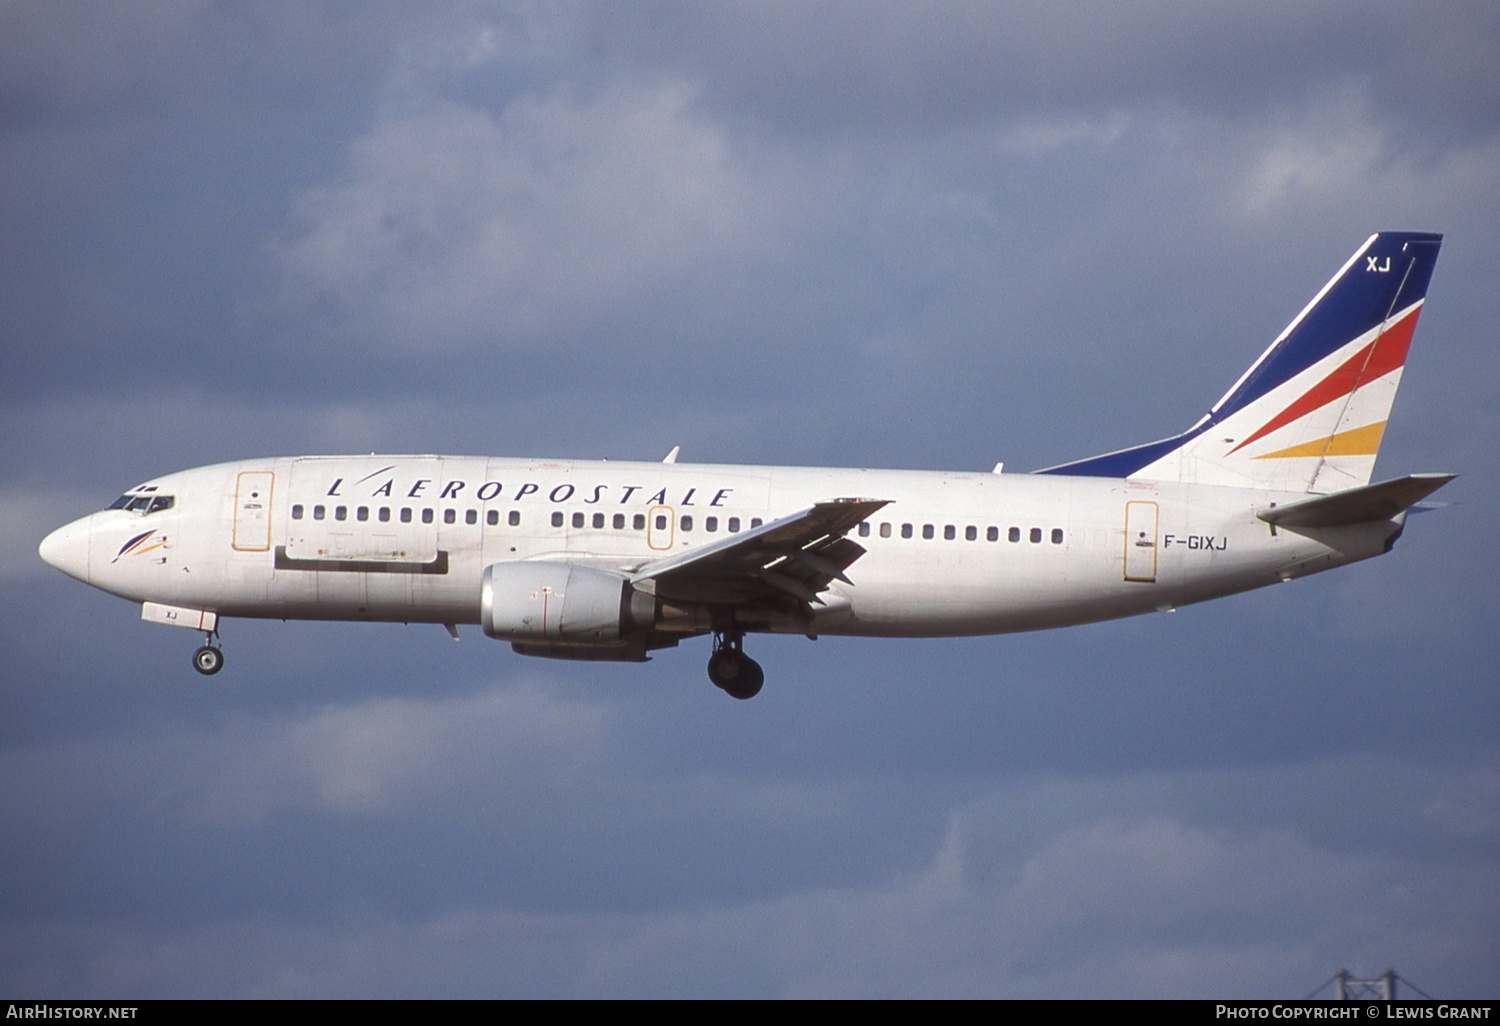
(1386, 353)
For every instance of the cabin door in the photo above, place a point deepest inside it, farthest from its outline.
(252, 511)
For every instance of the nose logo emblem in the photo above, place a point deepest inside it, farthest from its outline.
(137, 545)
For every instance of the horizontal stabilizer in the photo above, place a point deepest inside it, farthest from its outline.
(1357, 505)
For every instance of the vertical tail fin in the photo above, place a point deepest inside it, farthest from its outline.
(1309, 414)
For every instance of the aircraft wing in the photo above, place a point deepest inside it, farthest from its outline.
(783, 564)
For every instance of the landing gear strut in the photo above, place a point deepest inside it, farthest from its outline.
(209, 659)
(731, 669)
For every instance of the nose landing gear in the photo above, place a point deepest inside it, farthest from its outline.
(731, 670)
(209, 659)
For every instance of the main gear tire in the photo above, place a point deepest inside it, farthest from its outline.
(736, 674)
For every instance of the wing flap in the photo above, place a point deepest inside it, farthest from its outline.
(790, 559)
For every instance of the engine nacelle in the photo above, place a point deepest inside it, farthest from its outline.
(546, 605)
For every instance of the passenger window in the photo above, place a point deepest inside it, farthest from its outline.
(385, 514)
(971, 533)
(406, 514)
(450, 516)
(471, 516)
(906, 530)
(1057, 536)
(492, 517)
(885, 530)
(427, 516)
(618, 523)
(362, 514)
(318, 512)
(557, 519)
(577, 519)
(755, 522)
(992, 534)
(864, 529)
(515, 518)
(710, 524)
(734, 525)
(949, 532)
(598, 520)
(297, 511)
(661, 522)
(687, 523)
(1015, 534)
(927, 531)
(341, 512)
(638, 522)
(1036, 536)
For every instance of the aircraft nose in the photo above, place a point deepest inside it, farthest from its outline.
(67, 549)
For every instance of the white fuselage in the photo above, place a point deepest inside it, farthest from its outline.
(407, 538)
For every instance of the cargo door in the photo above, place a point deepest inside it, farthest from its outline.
(1140, 541)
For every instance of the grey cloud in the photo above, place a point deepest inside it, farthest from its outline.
(92, 61)
(912, 235)
(454, 227)
(73, 56)
(954, 62)
(1098, 896)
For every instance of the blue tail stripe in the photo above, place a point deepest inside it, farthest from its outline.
(1126, 461)
(1360, 299)
(1358, 302)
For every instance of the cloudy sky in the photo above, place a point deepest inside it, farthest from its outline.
(933, 235)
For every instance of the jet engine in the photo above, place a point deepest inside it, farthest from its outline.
(565, 611)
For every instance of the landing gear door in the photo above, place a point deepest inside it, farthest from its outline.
(252, 511)
(1140, 541)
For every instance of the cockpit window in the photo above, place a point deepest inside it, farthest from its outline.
(143, 504)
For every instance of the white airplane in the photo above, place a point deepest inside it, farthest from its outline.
(611, 561)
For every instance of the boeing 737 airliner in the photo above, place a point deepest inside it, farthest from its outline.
(611, 561)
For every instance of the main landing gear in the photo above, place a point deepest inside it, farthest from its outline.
(209, 659)
(731, 670)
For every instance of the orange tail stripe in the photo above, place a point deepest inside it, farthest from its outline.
(1363, 441)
